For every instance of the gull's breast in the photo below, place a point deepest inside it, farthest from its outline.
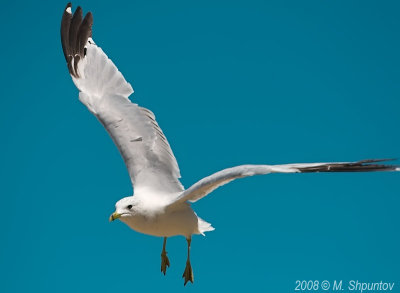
(165, 224)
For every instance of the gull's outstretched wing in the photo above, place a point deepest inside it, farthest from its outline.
(210, 183)
(103, 89)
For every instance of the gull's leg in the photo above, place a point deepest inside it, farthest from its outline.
(164, 258)
(188, 273)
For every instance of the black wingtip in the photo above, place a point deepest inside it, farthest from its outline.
(377, 160)
(74, 35)
(65, 23)
(368, 165)
(78, 11)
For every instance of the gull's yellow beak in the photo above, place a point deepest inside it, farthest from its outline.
(114, 216)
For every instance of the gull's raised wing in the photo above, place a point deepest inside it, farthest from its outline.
(103, 89)
(212, 182)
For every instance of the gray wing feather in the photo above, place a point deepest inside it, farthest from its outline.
(142, 144)
(210, 183)
(103, 89)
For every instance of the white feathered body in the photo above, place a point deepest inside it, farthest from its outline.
(182, 221)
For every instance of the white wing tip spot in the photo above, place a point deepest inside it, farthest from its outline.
(68, 10)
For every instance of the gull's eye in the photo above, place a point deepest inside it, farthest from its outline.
(129, 207)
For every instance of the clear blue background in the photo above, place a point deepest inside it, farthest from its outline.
(231, 82)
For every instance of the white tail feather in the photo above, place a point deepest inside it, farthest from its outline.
(204, 226)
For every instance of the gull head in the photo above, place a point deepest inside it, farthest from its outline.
(125, 207)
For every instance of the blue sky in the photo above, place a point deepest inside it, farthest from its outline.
(231, 82)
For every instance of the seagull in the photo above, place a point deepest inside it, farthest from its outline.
(160, 205)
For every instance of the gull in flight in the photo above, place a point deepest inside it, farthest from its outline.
(160, 206)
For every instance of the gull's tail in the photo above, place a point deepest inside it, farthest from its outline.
(204, 226)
